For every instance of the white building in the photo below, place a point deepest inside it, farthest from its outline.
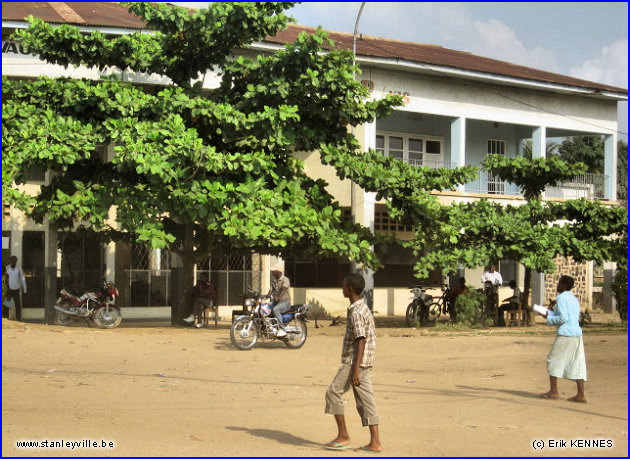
(458, 108)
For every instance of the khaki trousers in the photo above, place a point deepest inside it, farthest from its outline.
(363, 394)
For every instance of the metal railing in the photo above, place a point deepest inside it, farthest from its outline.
(429, 163)
(589, 186)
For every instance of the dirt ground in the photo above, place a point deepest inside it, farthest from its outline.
(149, 389)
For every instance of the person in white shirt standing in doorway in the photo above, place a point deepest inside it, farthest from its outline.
(15, 279)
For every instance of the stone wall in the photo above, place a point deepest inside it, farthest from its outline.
(583, 281)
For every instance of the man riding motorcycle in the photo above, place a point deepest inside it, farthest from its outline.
(281, 295)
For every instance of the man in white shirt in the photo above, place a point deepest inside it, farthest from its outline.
(14, 279)
(492, 275)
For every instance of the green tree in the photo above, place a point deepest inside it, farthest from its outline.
(533, 233)
(586, 149)
(590, 150)
(551, 148)
(196, 171)
(199, 171)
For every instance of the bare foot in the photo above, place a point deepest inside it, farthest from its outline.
(578, 399)
(549, 395)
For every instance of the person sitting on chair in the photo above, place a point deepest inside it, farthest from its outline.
(510, 304)
(204, 297)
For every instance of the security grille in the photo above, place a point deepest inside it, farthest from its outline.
(149, 276)
(232, 276)
(495, 184)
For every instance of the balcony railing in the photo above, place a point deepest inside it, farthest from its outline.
(589, 186)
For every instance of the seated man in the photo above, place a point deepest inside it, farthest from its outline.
(204, 297)
(510, 304)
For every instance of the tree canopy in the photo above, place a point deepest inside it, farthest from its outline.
(193, 169)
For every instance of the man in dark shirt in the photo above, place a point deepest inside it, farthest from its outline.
(204, 297)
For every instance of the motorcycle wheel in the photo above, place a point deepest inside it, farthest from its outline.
(296, 339)
(63, 319)
(104, 319)
(410, 315)
(241, 338)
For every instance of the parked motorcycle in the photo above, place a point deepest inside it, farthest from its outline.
(96, 305)
(260, 323)
(422, 310)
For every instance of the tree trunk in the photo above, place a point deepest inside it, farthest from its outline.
(527, 286)
(183, 281)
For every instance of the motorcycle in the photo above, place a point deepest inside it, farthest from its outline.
(422, 310)
(96, 305)
(260, 323)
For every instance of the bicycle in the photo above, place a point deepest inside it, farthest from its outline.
(441, 304)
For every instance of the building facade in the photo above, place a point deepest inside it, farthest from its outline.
(458, 108)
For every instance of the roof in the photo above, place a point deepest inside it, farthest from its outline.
(78, 13)
(103, 14)
(436, 55)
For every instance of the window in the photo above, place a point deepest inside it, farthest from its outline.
(495, 184)
(414, 149)
(507, 268)
(382, 223)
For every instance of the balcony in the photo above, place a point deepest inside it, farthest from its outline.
(589, 186)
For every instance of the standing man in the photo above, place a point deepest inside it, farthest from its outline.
(493, 276)
(566, 357)
(280, 286)
(357, 358)
(16, 279)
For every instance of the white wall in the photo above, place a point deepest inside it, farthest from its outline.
(473, 100)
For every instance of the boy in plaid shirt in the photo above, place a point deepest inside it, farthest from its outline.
(357, 358)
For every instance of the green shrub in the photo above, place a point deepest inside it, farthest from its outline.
(619, 287)
(470, 308)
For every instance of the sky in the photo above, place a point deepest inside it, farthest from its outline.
(586, 40)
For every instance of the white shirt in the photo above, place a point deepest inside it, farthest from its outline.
(494, 277)
(16, 278)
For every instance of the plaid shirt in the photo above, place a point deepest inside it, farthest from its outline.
(359, 323)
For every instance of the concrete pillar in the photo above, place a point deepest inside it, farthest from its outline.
(363, 208)
(458, 144)
(538, 288)
(610, 304)
(610, 167)
(539, 150)
(539, 142)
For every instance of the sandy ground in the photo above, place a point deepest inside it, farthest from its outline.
(156, 390)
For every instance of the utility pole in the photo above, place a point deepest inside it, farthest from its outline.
(367, 273)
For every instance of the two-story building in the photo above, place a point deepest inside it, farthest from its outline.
(458, 108)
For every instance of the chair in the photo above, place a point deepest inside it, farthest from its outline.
(206, 315)
(515, 317)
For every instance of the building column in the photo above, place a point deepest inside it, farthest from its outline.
(610, 304)
(363, 208)
(610, 167)
(539, 150)
(538, 288)
(539, 142)
(458, 145)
